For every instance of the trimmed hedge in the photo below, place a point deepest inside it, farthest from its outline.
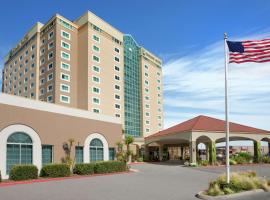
(23, 172)
(110, 166)
(55, 170)
(84, 168)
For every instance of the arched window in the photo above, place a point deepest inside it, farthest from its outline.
(19, 150)
(96, 150)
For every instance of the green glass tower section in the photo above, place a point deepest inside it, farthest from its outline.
(132, 83)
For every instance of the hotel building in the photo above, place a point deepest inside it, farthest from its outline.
(88, 64)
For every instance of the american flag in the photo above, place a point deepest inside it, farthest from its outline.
(257, 51)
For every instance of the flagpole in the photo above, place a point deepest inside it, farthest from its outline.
(227, 112)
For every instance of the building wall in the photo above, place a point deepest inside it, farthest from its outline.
(56, 124)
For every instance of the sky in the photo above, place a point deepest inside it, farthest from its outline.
(188, 36)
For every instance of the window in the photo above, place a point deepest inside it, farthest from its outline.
(158, 88)
(147, 114)
(33, 65)
(95, 58)
(65, 55)
(64, 99)
(32, 75)
(25, 70)
(146, 82)
(50, 45)
(95, 48)
(32, 95)
(42, 51)
(32, 56)
(116, 68)
(111, 153)
(96, 90)
(19, 150)
(117, 106)
(49, 98)
(116, 59)
(96, 38)
(95, 100)
(147, 130)
(116, 50)
(50, 35)
(79, 154)
(145, 66)
(65, 45)
(96, 69)
(65, 66)
(41, 91)
(42, 81)
(117, 87)
(117, 77)
(47, 152)
(65, 77)
(116, 96)
(50, 66)
(117, 115)
(42, 71)
(25, 80)
(26, 52)
(158, 73)
(50, 55)
(64, 88)
(95, 110)
(146, 74)
(33, 47)
(147, 106)
(96, 79)
(147, 122)
(96, 150)
(65, 35)
(146, 97)
(50, 77)
(50, 88)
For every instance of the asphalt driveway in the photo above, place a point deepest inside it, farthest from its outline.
(151, 182)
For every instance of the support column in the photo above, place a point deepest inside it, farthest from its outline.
(160, 152)
(146, 153)
(192, 152)
(268, 148)
(212, 152)
(182, 152)
(257, 151)
(207, 151)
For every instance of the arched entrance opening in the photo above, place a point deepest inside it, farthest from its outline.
(265, 146)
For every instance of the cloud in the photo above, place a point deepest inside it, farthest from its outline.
(194, 85)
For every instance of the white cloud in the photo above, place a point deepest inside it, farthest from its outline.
(194, 85)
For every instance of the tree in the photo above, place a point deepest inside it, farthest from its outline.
(67, 146)
(128, 140)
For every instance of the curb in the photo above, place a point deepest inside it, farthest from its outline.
(202, 195)
(44, 180)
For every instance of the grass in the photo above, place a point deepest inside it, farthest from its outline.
(241, 181)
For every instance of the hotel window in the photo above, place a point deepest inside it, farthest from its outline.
(50, 35)
(146, 74)
(32, 56)
(20, 58)
(25, 70)
(65, 45)
(116, 68)
(65, 77)
(147, 122)
(116, 59)
(95, 48)
(117, 106)
(159, 117)
(32, 94)
(96, 38)
(32, 75)
(42, 42)
(146, 97)
(50, 45)
(117, 115)
(50, 88)
(25, 80)
(158, 88)
(33, 47)
(145, 66)
(42, 61)
(146, 90)
(65, 66)
(49, 98)
(42, 51)
(96, 69)
(42, 81)
(95, 58)
(50, 66)
(147, 114)
(50, 55)
(95, 110)
(41, 91)
(65, 35)
(33, 65)
(147, 130)
(64, 99)
(50, 77)
(147, 106)
(65, 55)
(158, 73)
(26, 52)
(79, 154)
(47, 154)
(96, 90)
(146, 82)
(158, 81)
(64, 88)
(42, 71)
(116, 50)
(117, 77)
(159, 124)
(117, 87)
(25, 89)
(116, 96)
(96, 79)
(95, 100)
(32, 85)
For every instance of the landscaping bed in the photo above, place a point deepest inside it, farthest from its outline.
(239, 182)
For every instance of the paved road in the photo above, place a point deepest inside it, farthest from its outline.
(152, 182)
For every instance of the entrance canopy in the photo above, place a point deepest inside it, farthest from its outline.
(207, 130)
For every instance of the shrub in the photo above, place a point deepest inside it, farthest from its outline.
(84, 168)
(23, 172)
(266, 159)
(55, 170)
(242, 158)
(242, 181)
(233, 162)
(203, 162)
(110, 166)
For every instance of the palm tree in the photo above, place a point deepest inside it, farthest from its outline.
(129, 140)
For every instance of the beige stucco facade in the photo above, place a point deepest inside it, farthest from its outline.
(55, 124)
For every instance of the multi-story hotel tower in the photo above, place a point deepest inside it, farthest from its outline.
(90, 65)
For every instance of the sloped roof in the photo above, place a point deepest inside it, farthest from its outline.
(208, 124)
